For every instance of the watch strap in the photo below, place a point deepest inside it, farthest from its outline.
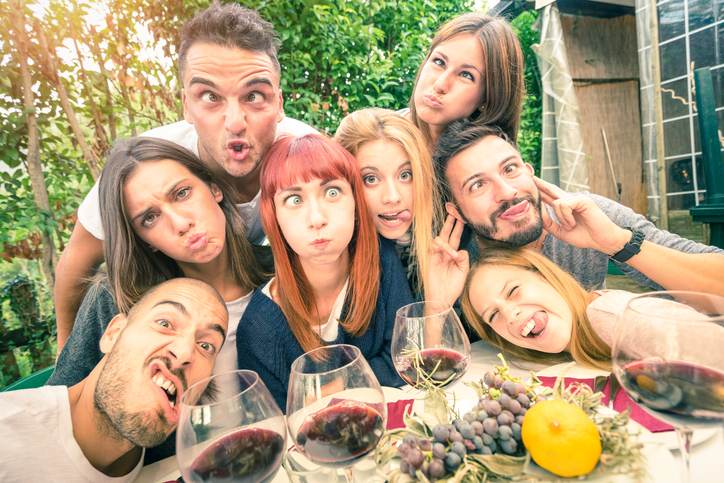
(631, 248)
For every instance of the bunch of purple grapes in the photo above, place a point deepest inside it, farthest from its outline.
(501, 412)
(414, 453)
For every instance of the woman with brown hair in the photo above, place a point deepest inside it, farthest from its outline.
(473, 69)
(165, 215)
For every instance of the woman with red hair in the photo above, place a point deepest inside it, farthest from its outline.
(335, 281)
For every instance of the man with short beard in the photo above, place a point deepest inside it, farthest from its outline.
(488, 187)
(96, 430)
(233, 111)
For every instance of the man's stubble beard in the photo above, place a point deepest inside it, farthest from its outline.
(141, 429)
(517, 238)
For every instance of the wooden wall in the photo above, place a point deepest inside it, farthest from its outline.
(602, 58)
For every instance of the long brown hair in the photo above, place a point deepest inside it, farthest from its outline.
(373, 124)
(586, 347)
(503, 64)
(305, 158)
(133, 267)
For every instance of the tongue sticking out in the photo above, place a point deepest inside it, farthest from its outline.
(515, 210)
(403, 216)
(536, 324)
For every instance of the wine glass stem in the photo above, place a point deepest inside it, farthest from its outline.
(684, 435)
(349, 476)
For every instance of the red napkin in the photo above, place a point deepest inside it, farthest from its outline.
(620, 403)
(396, 413)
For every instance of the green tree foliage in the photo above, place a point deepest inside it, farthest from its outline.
(529, 137)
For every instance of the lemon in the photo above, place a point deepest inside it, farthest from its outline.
(561, 438)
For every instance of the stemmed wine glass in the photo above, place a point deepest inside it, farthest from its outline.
(429, 346)
(235, 432)
(336, 410)
(667, 354)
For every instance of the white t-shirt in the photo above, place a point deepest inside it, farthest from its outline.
(183, 134)
(329, 330)
(226, 360)
(38, 442)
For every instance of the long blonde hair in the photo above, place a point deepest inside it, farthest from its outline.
(503, 69)
(374, 124)
(586, 347)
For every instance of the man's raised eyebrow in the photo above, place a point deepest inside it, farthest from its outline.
(178, 305)
(217, 328)
(201, 80)
(258, 80)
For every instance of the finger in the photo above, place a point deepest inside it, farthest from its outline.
(456, 234)
(550, 225)
(562, 220)
(551, 189)
(546, 198)
(447, 227)
(444, 248)
(567, 215)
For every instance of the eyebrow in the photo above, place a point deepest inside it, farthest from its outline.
(299, 188)
(249, 83)
(178, 305)
(217, 328)
(480, 175)
(168, 192)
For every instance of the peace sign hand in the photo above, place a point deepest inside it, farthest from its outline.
(448, 266)
(581, 222)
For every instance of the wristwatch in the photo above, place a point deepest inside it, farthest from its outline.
(631, 248)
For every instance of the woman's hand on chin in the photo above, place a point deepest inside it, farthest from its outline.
(448, 266)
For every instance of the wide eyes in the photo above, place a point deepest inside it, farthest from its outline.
(370, 179)
(163, 323)
(511, 168)
(210, 97)
(255, 97)
(207, 347)
(293, 200)
(406, 175)
(333, 192)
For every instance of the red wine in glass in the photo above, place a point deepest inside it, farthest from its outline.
(246, 456)
(341, 434)
(681, 393)
(439, 366)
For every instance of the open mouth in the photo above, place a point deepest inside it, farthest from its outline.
(237, 149)
(535, 325)
(169, 385)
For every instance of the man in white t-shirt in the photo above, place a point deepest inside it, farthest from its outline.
(233, 111)
(95, 431)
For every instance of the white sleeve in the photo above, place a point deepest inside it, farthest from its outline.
(89, 213)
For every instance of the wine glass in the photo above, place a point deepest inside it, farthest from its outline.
(429, 346)
(336, 410)
(230, 429)
(667, 354)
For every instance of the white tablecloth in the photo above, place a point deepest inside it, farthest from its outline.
(707, 462)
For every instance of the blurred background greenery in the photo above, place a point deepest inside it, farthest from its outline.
(78, 74)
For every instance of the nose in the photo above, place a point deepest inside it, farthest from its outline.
(390, 193)
(234, 118)
(181, 351)
(510, 313)
(316, 216)
(181, 222)
(504, 191)
(442, 83)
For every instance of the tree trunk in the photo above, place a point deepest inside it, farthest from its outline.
(90, 157)
(35, 170)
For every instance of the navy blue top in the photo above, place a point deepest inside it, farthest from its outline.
(265, 343)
